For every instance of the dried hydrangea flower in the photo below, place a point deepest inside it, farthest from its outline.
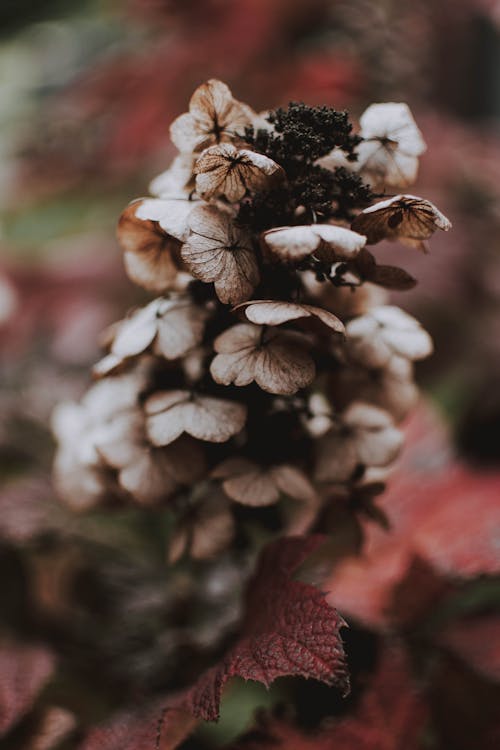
(80, 475)
(250, 484)
(276, 360)
(168, 327)
(214, 117)
(363, 436)
(204, 530)
(151, 254)
(390, 387)
(275, 313)
(150, 475)
(326, 242)
(171, 413)
(404, 217)
(392, 143)
(220, 252)
(225, 171)
(383, 333)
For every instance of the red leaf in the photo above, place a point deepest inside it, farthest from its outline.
(23, 672)
(440, 512)
(154, 727)
(390, 716)
(288, 629)
(476, 640)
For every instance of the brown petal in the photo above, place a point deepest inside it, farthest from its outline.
(151, 255)
(277, 363)
(247, 483)
(225, 171)
(205, 533)
(403, 216)
(218, 251)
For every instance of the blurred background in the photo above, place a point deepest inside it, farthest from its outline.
(87, 92)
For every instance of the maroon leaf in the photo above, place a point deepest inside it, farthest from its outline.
(429, 503)
(476, 641)
(390, 716)
(288, 629)
(23, 672)
(152, 728)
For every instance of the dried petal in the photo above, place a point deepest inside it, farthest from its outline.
(214, 117)
(225, 171)
(388, 155)
(373, 339)
(151, 254)
(274, 360)
(364, 436)
(205, 532)
(405, 217)
(326, 241)
(170, 413)
(218, 251)
(171, 326)
(250, 484)
(274, 313)
(177, 181)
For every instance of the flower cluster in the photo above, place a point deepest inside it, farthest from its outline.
(271, 369)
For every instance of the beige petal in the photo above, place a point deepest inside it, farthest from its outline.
(137, 332)
(180, 327)
(248, 483)
(330, 242)
(273, 313)
(177, 181)
(393, 120)
(214, 419)
(148, 477)
(172, 214)
(170, 413)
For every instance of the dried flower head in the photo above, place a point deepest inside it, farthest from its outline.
(263, 386)
(386, 332)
